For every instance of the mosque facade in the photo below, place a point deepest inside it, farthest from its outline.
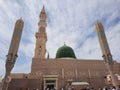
(65, 70)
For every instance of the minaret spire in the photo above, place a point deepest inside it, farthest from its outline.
(106, 51)
(41, 36)
(43, 7)
(43, 14)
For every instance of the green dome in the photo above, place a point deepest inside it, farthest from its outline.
(65, 52)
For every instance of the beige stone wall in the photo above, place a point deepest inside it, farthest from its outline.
(19, 75)
(92, 71)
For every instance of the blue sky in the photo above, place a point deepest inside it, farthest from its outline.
(69, 21)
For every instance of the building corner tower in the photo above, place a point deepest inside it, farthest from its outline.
(41, 36)
(106, 51)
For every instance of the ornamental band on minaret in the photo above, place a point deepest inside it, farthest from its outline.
(41, 36)
(12, 53)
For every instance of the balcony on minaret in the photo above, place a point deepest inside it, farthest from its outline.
(42, 23)
(41, 35)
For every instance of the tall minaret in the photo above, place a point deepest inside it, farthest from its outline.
(103, 43)
(12, 53)
(106, 51)
(41, 36)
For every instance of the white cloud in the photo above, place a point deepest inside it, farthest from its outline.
(68, 21)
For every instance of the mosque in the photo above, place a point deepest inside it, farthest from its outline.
(65, 70)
